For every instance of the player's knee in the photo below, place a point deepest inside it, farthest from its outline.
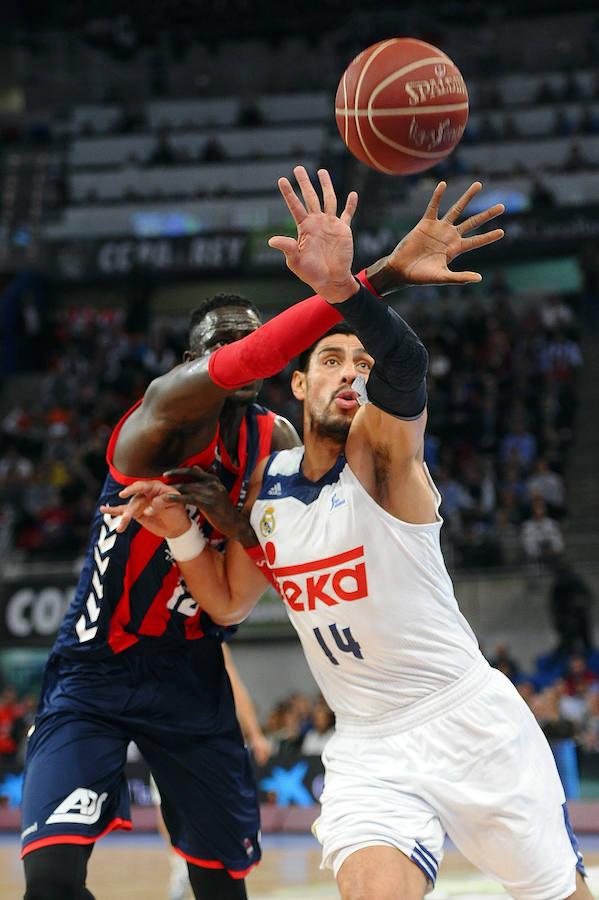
(215, 884)
(57, 872)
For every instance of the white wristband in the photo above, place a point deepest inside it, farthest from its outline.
(188, 545)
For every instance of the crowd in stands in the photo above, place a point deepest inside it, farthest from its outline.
(502, 401)
(16, 718)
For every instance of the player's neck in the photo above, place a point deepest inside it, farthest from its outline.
(320, 455)
(230, 422)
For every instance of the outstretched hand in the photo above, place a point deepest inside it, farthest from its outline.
(323, 252)
(424, 254)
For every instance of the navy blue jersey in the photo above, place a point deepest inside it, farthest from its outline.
(130, 588)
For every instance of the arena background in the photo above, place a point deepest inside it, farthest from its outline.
(140, 150)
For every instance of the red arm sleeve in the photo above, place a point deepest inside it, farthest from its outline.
(268, 349)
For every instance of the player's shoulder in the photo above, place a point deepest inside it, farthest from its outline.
(285, 462)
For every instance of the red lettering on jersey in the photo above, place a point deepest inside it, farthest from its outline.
(358, 575)
(344, 584)
(291, 591)
(315, 591)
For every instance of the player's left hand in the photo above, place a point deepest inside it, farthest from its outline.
(323, 252)
(151, 505)
(424, 254)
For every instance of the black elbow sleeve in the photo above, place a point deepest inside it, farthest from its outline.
(397, 382)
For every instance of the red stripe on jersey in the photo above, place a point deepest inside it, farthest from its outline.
(156, 619)
(125, 824)
(141, 550)
(320, 563)
(193, 629)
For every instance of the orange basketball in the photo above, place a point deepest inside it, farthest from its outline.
(401, 106)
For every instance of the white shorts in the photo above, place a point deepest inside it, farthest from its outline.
(480, 770)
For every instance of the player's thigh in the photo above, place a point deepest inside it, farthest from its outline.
(382, 872)
(209, 798)
(499, 794)
(74, 782)
(370, 800)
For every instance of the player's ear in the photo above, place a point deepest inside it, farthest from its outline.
(188, 356)
(298, 385)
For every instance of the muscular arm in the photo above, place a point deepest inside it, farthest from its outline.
(182, 402)
(385, 443)
(226, 585)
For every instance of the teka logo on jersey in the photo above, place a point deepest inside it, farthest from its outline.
(336, 579)
(82, 805)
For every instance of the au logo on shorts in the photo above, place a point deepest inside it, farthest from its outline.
(82, 805)
(267, 522)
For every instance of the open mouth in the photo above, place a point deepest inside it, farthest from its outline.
(346, 399)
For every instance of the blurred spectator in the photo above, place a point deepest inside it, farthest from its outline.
(545, 93)
(21, 726)
(250, 114)
(213, 151)
(546, 708)
(577, 687)
(304, 710)
(556, 314)
(519, 446)
(590, 734)
(288, 737)
(505, 662)
(163, 153)
(549, 486)
(455, 499)
(589, 121)
(541, 535)
(571, 89)
(317, 737)
(541, 195)
(570, 602)
(561, 357)
(10, 711)
(562, 124)
(575, 160)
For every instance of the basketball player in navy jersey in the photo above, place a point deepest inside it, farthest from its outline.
(137, 658)
(429, 739)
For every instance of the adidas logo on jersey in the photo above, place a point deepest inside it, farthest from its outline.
(276, 490)
(82, 806)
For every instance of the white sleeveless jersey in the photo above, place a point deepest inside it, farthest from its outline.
(368, 594)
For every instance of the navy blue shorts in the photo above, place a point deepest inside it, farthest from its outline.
(75, 789)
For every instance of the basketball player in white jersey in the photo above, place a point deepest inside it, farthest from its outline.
(429, 740)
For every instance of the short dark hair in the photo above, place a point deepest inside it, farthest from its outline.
(303, 360)
(217, 301)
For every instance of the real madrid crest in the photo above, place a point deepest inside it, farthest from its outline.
(267, 522)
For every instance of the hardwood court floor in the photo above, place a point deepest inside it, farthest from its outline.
(129, 867)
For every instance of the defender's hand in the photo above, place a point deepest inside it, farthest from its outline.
(423, 256)
(195, 487)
